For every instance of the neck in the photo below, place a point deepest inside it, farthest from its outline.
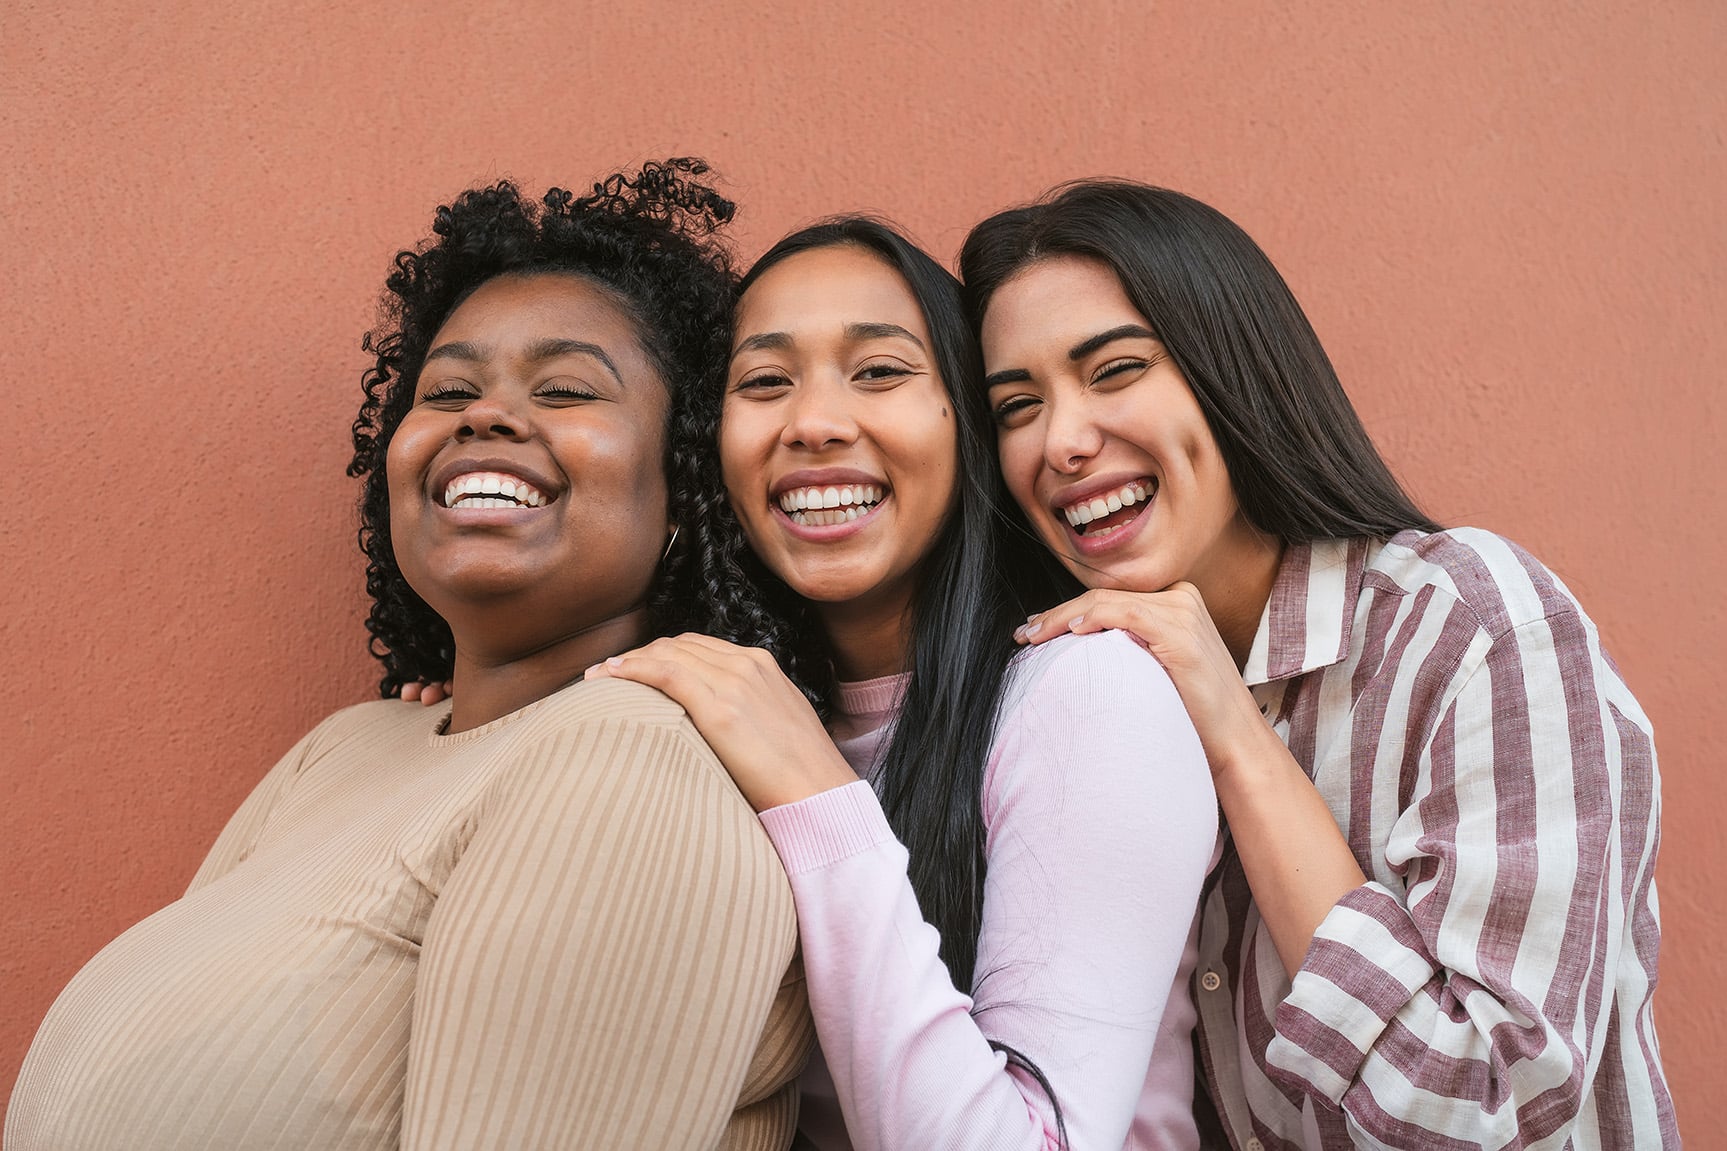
(492, 683)
(868, 640)
(1237, 594)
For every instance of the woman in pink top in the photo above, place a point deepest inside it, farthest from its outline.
(996, 869)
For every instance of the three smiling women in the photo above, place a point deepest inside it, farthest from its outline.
(1427, 919)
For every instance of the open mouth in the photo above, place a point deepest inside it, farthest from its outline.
(1113, 510)
(825, 507)
(493, 490)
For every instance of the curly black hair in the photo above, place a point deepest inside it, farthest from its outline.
(649, 238)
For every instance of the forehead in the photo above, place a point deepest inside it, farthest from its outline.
(824, 290)
(511, 309)
(1059, 295)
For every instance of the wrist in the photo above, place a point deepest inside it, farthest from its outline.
(805, 782)
(1253, 764)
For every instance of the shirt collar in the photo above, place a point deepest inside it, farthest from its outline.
(1305, 625)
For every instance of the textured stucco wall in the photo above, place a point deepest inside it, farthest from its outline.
(1505, 220)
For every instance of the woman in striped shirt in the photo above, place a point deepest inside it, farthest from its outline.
(1435, 922)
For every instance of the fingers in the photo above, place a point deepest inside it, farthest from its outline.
(1156, 619)
(427, 693)
(1095, 610)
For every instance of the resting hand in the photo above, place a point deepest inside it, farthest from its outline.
(757, 722)
(427, 693)
(1297, 861)
(1175, 627)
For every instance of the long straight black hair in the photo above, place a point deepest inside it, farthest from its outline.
(1302, 466)
(975, 584)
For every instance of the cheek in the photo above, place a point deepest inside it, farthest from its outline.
(411, 447)
(742, 467)
(1020, 458)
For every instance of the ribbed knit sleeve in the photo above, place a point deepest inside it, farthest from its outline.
(555, 1011)
(562, 929)
(240, 834)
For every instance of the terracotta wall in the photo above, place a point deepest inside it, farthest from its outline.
(1505, 220)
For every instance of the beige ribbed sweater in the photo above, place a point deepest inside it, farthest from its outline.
(563, 929)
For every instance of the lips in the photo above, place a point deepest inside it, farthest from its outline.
(828, 497)
(816, 506)
(1099, 513)
(492, 489)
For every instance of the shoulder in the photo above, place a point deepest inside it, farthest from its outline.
(1099, 698)
(1104, 669)
(1499, 583)
(373, 721)
(1091, 731)
(619, 701)
(634, 720)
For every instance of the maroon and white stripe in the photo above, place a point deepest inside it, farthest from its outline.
(1491, 984)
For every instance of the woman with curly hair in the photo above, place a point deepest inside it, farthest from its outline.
(544, 917)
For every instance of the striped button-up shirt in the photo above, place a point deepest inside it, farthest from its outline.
(1490, 984)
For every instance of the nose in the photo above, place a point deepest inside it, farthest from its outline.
(818, 418)
(492, 415)
(1071, 436)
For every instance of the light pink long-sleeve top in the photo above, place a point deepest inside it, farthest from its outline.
(1101, 824)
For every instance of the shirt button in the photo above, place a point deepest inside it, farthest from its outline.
(1252, 1144)
(1211, 981)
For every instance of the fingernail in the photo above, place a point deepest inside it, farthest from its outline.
(1075, 622)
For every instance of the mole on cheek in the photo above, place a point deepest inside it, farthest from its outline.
(944, 411)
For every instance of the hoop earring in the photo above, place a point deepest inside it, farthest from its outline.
(669, 544)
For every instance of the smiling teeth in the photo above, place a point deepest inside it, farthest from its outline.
(824, 507)
(1096, 508)
(493, 490)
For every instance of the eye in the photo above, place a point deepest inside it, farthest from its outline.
(449, 393)
(762, 382)
(566, 390)
(882, 372)
(1117, 368)
(1014, 410)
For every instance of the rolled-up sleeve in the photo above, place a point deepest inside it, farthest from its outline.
(1476, 1003)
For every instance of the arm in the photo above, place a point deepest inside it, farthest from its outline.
(240, 835)
(599, 966)
(1490, 985)
(1102, 823)
(1295, 857)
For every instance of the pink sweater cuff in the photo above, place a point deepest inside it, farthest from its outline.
(824, 829)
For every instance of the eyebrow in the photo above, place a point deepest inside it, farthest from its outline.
(550, 348)
(1078, 352)
(763, 341)
(857, 330)
(876, 331)
(1123, 332)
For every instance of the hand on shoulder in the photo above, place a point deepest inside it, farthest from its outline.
(1174, 626)
(759, 724)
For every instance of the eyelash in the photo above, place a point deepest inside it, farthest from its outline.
(569, 391)
(761, 380)
(1116, 367)
(1005, 410)
(883, 371)
(447, 392)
